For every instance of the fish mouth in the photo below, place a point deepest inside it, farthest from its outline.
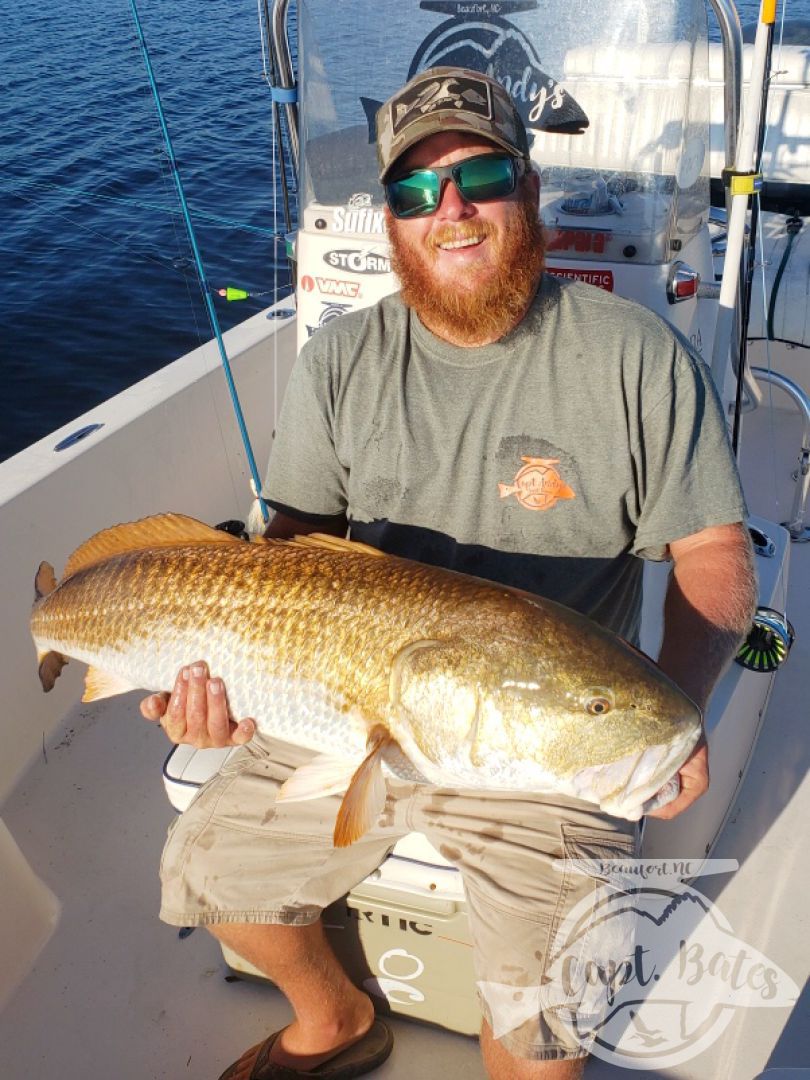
(637, 783)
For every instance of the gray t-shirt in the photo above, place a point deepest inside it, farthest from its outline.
(548, 460)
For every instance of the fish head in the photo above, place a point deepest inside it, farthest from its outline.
(589, 717)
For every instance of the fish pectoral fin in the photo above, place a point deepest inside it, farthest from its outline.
(364, 801)
(103, 684)
(50, 668)
(45, 581)
(324, 775)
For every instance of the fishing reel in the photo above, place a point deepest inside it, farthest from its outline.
(768, 642)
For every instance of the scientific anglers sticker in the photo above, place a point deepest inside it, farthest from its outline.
(646, 972)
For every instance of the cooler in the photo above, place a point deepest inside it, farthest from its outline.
(401, 934)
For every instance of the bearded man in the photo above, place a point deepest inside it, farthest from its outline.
(491, 419)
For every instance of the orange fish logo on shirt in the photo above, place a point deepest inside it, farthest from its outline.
(537, 486)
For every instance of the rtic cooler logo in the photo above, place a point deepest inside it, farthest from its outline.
(358, 262)
(330, 311)
(477, 36)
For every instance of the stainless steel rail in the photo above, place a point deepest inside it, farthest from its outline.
(281, 48)
(731, 33)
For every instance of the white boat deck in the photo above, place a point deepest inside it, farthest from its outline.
(117, 993)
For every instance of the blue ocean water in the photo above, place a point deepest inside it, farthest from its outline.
(97, 287)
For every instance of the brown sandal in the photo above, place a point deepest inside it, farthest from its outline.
(356, 1060)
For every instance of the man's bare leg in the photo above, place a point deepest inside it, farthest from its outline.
(501, 1065)
(330, 1012)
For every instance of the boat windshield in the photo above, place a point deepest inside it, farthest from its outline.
(614, 96)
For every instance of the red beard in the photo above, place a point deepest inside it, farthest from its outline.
(481, 311)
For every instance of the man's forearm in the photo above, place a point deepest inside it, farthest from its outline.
(708, 609)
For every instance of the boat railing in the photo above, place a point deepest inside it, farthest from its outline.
(795, 526)
(731, 34)
(286, 97)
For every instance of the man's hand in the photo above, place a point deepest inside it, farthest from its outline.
(694, 778)
(196, 712)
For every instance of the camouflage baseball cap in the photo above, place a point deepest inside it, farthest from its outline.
(447, 99)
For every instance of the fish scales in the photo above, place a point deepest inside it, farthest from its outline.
(322, 641)
(244, 608)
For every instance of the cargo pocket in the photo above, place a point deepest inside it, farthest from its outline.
(592, 932)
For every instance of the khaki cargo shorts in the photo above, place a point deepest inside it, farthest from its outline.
(234, 856)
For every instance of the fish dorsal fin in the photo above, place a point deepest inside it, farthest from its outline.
(163, 530)
(335, 543)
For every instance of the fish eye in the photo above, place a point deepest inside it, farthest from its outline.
(598, 705)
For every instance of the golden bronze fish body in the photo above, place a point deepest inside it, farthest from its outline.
(324, 642)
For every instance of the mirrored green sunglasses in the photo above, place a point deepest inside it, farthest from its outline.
(478, 179)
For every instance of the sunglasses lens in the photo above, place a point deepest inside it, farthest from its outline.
(489, 177)
(479, 179)
(414, 195)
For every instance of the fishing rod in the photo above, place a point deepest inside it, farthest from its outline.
(742, 181)
(765, 29)
(209, 303)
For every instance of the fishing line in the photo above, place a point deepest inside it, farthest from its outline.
(765, 318)
(164, 171)
(164, 262)
(212, 315)
(214, 219)
(277, 147)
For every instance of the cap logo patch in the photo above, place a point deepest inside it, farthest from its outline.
(472, 95)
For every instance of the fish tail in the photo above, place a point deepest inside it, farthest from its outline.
(44, 581)
(504, 490)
